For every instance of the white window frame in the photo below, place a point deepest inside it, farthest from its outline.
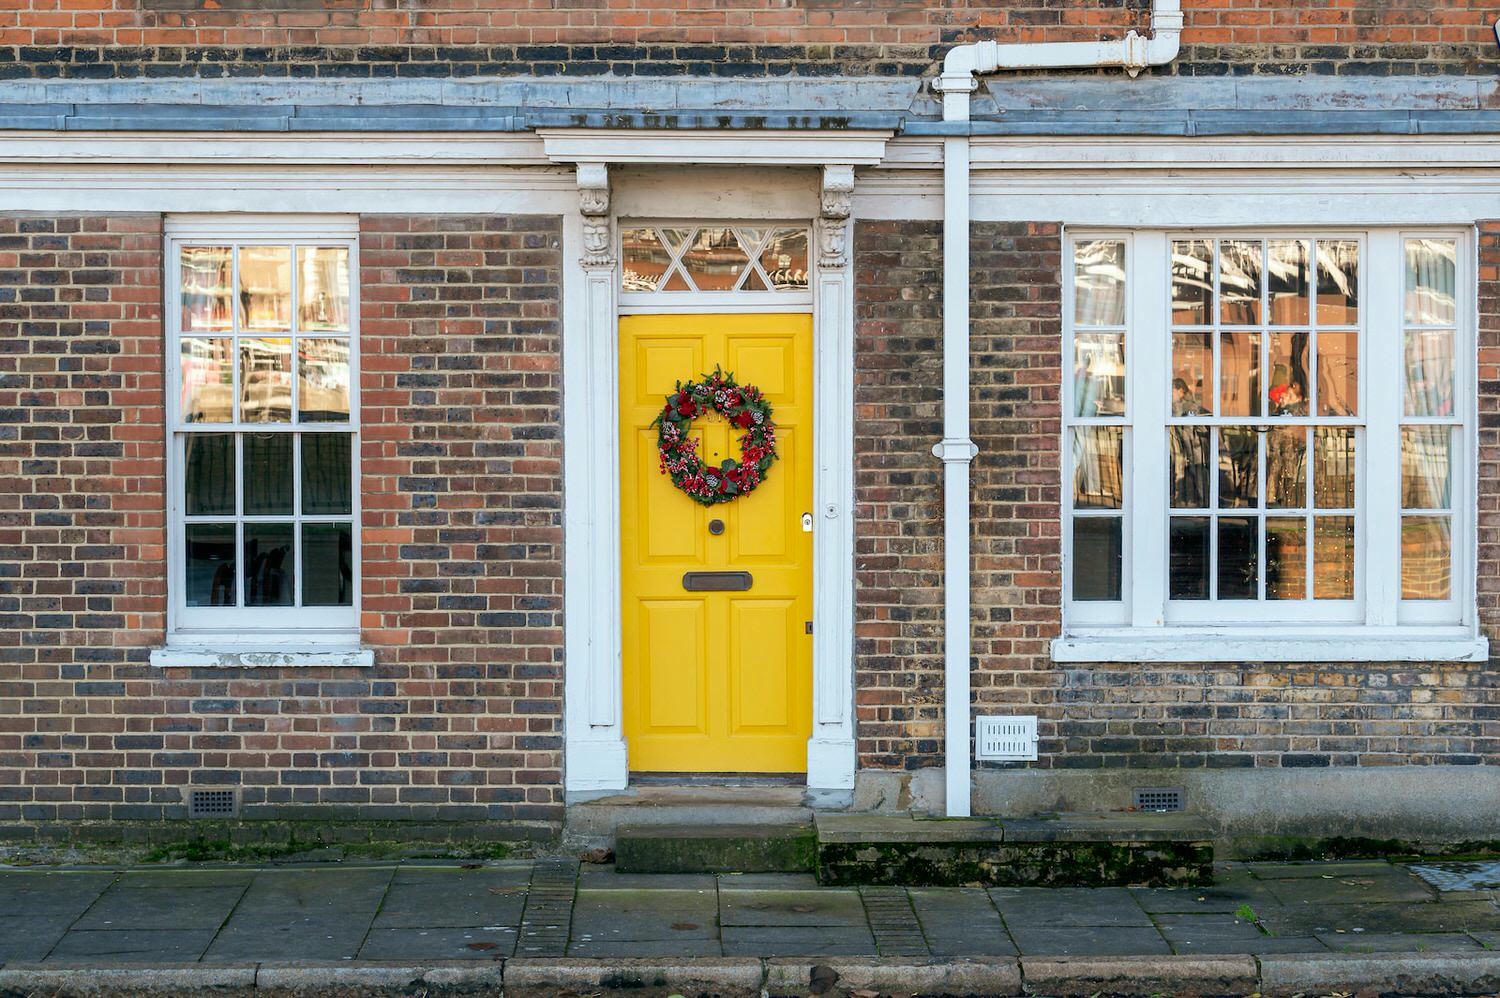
(1378, 625)
(255, 635)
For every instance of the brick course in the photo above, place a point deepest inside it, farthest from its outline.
(460, 718)
(1091, 716)
(385, 38)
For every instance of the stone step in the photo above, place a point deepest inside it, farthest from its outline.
(1065, 850)
(593, 823)
(759, 848)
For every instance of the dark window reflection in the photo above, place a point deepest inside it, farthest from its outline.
(208, 474)
(326, 483)
(268, 564)
(209, 576)
(1096, 557)
(1239, 558)
(1188, 446)
(1189, 557)
(327, 564)
(268, 474)
(1239, 467)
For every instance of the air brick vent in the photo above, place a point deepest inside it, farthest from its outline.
(213, 803)
(1159, 799)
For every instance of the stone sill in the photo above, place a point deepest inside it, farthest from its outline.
(270, 656)
(1348, 644)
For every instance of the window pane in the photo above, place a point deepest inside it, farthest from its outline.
(1288, 279)
(1333, 557)
(1099, 283)
(326, 478)
(1192, 373)
(268, 564)
(1239, 374)
(1099, 374)
(268, 474)
(1289, 355)
(322, 380)
(1187, 447)
(785, 259)
(1338, 283)
(643, 260)
(1286, 558)
(208, 474)
(1239, 558)
(207, 288)
(1431, 282)
(209, 576)
(1239, 283)
(1097, 467)
(265, 288)
(715, 259)
(322, 287)
(1333, 467)
(1189, 557)
(266, 381)
(1338, 373)
(1096, 558)
(1426, 557)
(1239, 467)
(1426, 467)
(1286, 467)
(207, 389)
(327, 564)
(1192, 282)
(1429, 372)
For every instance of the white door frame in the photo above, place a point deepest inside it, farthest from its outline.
(594, 742)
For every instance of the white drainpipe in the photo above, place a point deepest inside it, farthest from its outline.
(1132, 53)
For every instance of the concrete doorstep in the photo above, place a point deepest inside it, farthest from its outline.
(752, 977)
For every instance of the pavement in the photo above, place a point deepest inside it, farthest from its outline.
(553, 927)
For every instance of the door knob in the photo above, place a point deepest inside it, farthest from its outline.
(716, 527)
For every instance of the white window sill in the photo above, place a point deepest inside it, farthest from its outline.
(1264, 644)
(262, 656)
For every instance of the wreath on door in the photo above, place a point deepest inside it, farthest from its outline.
(745, 408)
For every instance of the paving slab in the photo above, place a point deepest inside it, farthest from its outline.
(1093, 940)
(492, 942)
(51, 896)
(134, 945)
(799, 940)
(827, 907)
(1391, 885)
(1226, 895)
(1290, 871)
(960, 921)
(1220, 932)
(453, 898)
(604, 878)
(1460, 876)
(617, 948)
(768, 882)
(1454, 916)
(645, 915)
(236, 876)
(29, 939)
(144, 904)
(1053, 906)
(1400, 942)
(303, 914)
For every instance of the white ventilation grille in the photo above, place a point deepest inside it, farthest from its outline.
(212, 804)
(1005, 738)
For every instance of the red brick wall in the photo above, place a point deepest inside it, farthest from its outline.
(461, 716)
(1092, 716)
(97, 38)
(82, 541)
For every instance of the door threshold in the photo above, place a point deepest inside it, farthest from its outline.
(718, 779)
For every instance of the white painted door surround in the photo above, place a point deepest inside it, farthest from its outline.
(757, 187)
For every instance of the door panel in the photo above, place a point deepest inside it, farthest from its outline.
(716, 681)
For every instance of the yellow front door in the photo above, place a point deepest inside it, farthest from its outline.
(717, 681)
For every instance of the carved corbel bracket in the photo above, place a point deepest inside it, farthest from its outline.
(593, 204)
(837, 197)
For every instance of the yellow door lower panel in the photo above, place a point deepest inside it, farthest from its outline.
(716, 681)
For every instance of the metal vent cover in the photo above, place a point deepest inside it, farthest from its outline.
(213, 803)
(1159, 799)
(1006, 739)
